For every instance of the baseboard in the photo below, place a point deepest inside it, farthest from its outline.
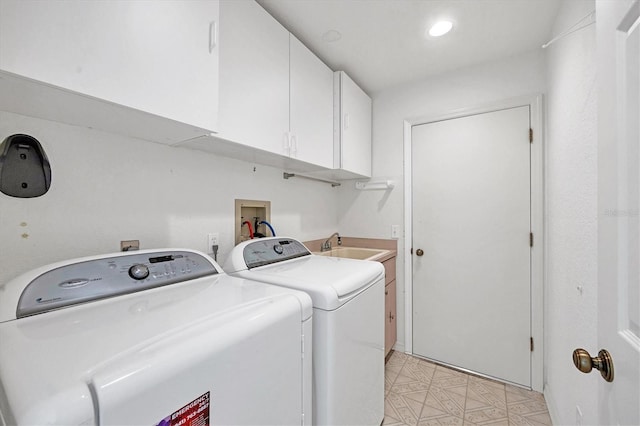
(551, 405)
(399, 347)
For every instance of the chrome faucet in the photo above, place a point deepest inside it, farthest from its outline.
(326, 246)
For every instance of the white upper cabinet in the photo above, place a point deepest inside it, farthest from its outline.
(254, 77)
(159, 57)
(275, 94)
(352, 143)
(311, 127)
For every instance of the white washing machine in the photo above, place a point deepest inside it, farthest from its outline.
(348, 323)
(152, 338)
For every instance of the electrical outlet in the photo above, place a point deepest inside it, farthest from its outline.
(127, 245)
(212, 240)
(395, 231)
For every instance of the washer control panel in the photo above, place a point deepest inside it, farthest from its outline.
(95, 279)
(272, 250)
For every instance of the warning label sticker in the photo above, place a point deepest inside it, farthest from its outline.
(195, 413)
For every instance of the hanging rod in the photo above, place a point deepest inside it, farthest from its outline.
(286, 175)
(575, 27)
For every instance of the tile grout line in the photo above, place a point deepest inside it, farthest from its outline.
(503, 389)
(427, 396)
(464, 409)
(396, 378)
(506, 404)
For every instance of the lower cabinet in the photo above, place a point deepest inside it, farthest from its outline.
(390, 328)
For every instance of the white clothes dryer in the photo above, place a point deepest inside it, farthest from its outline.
(348, 323)
(153, 337)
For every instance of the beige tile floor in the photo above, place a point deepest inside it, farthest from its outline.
(418, 392)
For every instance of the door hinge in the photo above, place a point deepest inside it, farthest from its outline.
(530, 135)
(531, 344)
(530, 239)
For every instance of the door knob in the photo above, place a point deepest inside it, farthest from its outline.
(603, 362)
(419, 252)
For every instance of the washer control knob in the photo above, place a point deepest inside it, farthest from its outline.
(139, 271)
(278, 249)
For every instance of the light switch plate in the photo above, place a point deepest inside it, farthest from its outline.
(395, 231)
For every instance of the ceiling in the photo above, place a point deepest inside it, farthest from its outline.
(382, 42)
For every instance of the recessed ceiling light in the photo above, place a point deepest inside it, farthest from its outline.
(331, 36)
(440, 28)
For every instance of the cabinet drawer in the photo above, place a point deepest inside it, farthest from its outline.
(389, 270)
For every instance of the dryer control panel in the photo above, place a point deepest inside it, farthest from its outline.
(99, 278)
(271, 250)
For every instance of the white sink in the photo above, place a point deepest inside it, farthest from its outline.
(354, 253)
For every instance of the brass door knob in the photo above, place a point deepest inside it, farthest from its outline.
(419, 252)
(603, 362)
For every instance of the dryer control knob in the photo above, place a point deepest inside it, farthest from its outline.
(139, 271)
(278, 249)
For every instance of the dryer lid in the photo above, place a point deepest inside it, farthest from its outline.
(49, 358)
(88, 279)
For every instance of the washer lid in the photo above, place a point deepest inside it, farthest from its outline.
(329, 281)
(283, 261)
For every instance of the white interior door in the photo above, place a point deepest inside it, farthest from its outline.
(471, 219)
(619, 208)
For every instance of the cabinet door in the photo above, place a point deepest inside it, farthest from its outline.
(356, 128)
(254, 77)
(155, 56)
(311, 105)
(390, 329)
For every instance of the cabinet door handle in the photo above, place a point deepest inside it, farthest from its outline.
(213, 35)
(294, 146)
(286, 143)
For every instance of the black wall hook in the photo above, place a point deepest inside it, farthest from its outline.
(25, 171)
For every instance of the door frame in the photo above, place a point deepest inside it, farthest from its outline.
(537, 221)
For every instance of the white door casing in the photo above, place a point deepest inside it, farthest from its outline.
(536, 226)
(618, 33)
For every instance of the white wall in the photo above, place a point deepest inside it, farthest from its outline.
(371, 213)
(568, 81)
(571, 227)
(106, 188)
